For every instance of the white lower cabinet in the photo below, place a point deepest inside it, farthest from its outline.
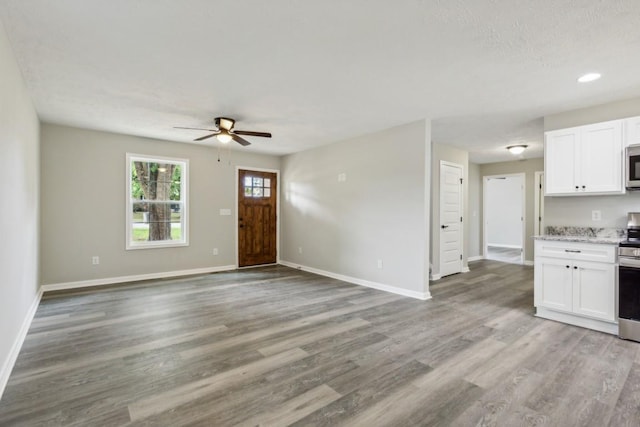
(569, 289)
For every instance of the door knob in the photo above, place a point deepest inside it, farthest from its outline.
(444, 226)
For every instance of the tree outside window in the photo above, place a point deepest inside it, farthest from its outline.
(157, 209)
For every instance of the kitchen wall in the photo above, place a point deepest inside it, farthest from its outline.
(83, 205)
(19, 215)
(349, 205)
(503, 210)
(451, 154)
(528, 167)
(576, 211)
(474, 243)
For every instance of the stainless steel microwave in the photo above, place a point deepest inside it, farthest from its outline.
(633, 167)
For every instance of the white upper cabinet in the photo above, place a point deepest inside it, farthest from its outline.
(584, 160)
(632, 131)
(560, 161)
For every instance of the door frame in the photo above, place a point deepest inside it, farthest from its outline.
(236, 186)
(538, 209)
(523, 196)
(462, 206)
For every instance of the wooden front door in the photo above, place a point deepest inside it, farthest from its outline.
(257, 197)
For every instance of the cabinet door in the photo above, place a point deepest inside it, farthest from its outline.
(594, 290)
(632, 131)
(553, 283)
(560, 160)
(601, 158)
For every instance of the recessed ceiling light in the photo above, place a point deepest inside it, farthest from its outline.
(589, 77)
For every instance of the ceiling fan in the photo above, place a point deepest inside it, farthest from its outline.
(225, 132)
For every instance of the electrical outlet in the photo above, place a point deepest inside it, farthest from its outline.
(380, 264)
(300, 249)
(342, 177)
(215, 251)
(95, 260)
(596, 215)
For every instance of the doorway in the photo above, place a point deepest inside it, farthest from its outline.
(504, 218)
(450, 218)
(257, 220)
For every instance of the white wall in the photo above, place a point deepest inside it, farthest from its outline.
(474, 242)
(503, 210)
(576, 211)
(83, 205)
(379, 213)
(19, 215)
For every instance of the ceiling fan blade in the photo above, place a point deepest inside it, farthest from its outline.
(182, 127)
(250, 133)
(240, 140)
(206, 136)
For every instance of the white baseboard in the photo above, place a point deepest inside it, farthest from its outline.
(8, 364)
(361, 282)
(475, 258)
(134, 278)
(500, 245)
(585, 322)
(465, 270)
(435, 277)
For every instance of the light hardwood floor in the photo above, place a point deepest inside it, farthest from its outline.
(510, 255)
(277, 346)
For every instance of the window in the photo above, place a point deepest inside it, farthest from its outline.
(257, 187)
(156, 202)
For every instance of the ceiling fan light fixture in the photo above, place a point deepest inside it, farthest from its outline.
(517, 149)
(224, 137)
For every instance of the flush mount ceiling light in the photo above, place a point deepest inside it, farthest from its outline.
(589, 77)
(516, 149)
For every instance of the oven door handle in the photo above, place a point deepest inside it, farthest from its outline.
(629, 262)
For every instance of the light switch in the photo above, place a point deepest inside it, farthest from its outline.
(596, 215)
(342, 177)
(225, 212)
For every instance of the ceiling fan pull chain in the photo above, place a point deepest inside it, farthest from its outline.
(218, 154)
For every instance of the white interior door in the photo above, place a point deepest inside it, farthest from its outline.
(450, 218)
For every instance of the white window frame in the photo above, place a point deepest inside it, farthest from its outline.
(184, 192)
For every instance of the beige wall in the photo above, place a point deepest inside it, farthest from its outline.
(19, 158)
(451, 154)
(528, 167)
(576, 211)
(599, 113)
(474, 243)
(83, 205)
(379, 213)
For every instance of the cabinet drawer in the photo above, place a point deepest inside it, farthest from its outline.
(576, 251)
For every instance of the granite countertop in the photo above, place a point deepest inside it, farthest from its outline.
(609, 236)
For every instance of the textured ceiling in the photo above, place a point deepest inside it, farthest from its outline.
(485, 71)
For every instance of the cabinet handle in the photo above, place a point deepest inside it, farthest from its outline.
(567, 266)
(575, 267)
(584, 186)
(574, 251)
(577, 187)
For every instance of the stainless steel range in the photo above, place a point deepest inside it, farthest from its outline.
(629, 280)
